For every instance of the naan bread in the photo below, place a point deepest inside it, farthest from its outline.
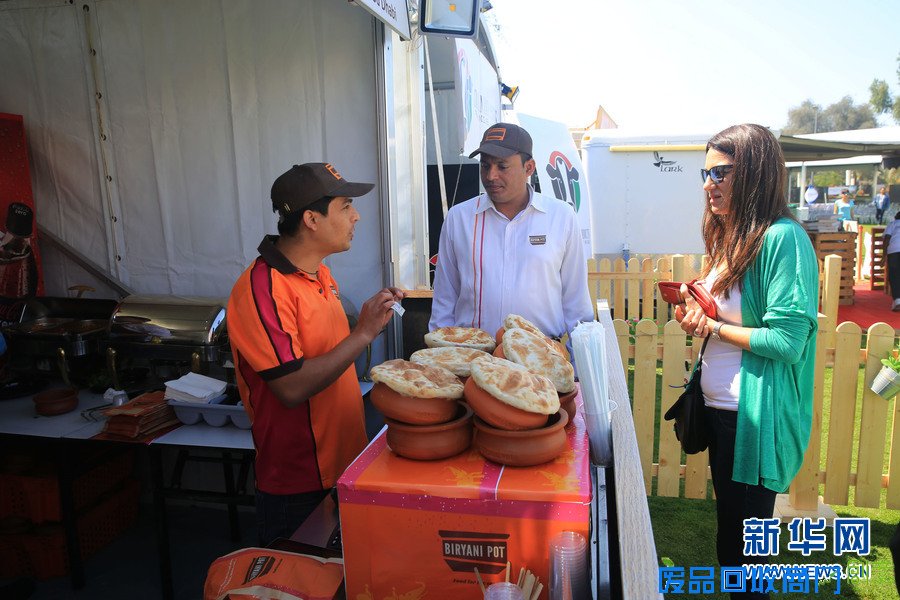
(517, 322)
(456, 359)
(536, 353)
(467, 337)
(419, 381)
(514, 385)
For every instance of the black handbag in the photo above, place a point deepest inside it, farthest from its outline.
(688, 413)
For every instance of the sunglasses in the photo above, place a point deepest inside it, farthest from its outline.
(717, 173)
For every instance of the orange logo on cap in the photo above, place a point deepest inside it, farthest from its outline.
(333, 171)
(497, 134)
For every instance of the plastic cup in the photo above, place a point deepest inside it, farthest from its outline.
(569, 567)
(503, 591)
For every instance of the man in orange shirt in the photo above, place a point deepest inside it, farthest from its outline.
(294, 351)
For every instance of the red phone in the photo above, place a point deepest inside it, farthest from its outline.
(670, 291)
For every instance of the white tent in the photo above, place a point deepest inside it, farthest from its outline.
(155, 130)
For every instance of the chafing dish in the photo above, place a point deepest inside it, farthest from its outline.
(175, 328)
(60, 329)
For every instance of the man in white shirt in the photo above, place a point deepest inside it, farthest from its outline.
(510, 250)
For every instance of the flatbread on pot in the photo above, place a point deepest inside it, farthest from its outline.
(513, 321)
(514, 385)
(420, 381)
(536, 353)
(467, 337)
(456, 359)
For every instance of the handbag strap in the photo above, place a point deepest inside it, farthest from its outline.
(700, 356)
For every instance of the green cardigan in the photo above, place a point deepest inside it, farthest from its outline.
(779, 300)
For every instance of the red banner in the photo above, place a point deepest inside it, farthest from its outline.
(20, 270)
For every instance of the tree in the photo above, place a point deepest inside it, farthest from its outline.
(844, 115)
(827, 178)
(804, 119)
(880, 98)
(897, 100)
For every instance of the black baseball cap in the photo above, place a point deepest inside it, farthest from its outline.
(503, 140)
(304, 184)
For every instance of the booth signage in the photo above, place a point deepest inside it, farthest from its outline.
(393, 13)
(560, 171)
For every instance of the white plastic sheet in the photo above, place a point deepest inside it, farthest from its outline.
(589, 346)
(155, 157)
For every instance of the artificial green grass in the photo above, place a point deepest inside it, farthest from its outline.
(684, 529)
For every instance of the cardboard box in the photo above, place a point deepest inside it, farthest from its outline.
(413, 529)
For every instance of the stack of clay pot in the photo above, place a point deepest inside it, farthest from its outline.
(421, 406)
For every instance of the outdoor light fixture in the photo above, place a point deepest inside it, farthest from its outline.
(509, 92)
(457, 18)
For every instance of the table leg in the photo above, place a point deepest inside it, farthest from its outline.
(65, 478)
(162, 526)
(230, 491)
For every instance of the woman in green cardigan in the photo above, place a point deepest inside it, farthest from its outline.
(757, 377)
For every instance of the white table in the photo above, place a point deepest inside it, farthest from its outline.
(202, 435)
(17, 417)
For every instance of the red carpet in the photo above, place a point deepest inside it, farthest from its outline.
(869, 307)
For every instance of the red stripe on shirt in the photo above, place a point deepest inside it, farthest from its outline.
(285, 464)
(481, 276)
(261, 288)
(474, 265)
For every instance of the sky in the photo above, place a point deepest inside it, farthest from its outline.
(692, 66)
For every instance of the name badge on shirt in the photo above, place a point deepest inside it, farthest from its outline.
(335, 292)
(537, 240)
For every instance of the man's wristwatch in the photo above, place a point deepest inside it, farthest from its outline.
(715, 331)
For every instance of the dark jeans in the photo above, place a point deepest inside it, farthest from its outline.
(280, 515)
(734, 501)
(879, 215)
(894, 273)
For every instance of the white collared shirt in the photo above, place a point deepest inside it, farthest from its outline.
(490, 266)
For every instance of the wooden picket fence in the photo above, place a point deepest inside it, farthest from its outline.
(650, 346)
(649, 350)
(631, 292)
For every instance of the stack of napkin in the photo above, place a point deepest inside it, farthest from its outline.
(194, 388)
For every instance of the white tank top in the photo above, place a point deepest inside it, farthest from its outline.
(721, 376)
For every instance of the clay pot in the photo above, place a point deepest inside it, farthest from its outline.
(432, 442)
(412, 410)
(56, 402)
(522, 448)
(567, 403)
(499, 414)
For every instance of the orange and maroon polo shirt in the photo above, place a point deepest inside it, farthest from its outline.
(278, 316)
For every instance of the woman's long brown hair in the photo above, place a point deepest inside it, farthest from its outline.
(757, 200)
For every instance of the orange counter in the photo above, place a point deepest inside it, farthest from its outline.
(411, 529)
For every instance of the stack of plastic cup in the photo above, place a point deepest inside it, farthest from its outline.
(503, 591)
(569, 577)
